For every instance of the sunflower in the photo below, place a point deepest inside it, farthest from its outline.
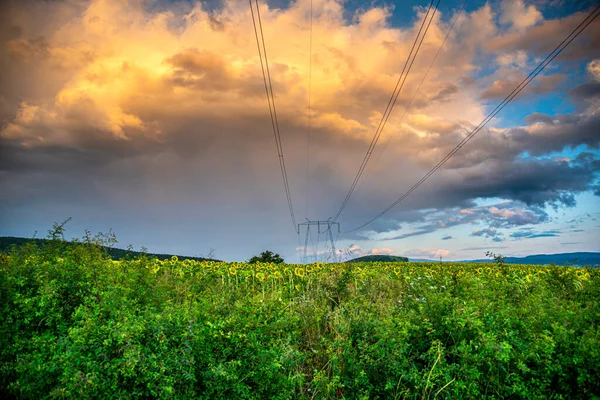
(299, 271)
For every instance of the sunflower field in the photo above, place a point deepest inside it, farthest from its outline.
(76, 324)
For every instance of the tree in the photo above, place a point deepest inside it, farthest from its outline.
(498, 258)
(266, 257)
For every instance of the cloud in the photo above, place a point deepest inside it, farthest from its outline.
(418, 232)
(514, 59)
(426, 123)
(427, 253)
(487, 232)
(542, 38)
(531, 234)
(194, 67)
(155, 115)
(382, 251)
(515, 12)
(586, 91)
(447, 237)
(499, 89)
(484, 248)
(593, 68)
(537, 117)
(503, 215)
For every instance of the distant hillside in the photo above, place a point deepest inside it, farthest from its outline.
(379, 258)
(578, 259)
(6, 242)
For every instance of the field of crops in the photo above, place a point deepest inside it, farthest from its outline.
(76, 324)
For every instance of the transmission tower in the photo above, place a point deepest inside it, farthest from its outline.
(323, 227)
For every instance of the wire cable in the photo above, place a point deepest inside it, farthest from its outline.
(566, 41)
(390, 137)
(272, 109)
(391, 102)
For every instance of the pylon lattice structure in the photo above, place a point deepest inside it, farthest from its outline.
(323, 227)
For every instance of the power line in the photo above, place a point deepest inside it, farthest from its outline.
(390, 137)
(391, 102)
(566, 41)
(271, 101)
(309, 110)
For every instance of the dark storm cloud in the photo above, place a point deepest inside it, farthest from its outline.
(498, 216)
(586, 91)
(539, 117)
(533, 182)
(543, 38)
(566, 131)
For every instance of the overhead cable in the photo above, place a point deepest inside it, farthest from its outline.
(566, 41)
(260, 43)
(391, 102)
(390, 137)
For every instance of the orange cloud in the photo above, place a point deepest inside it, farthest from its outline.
(122, 62)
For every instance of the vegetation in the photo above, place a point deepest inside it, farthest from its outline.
(266, 257)
(75, 323)
(7, 242)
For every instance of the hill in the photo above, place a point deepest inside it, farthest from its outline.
(580, 259)
(6, 242)
(379, 258)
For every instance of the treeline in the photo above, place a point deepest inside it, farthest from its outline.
(8, 242)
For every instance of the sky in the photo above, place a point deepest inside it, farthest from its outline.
(149, 118)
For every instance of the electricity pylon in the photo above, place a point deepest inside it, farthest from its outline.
(322, 227)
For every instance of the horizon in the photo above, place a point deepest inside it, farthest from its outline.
(343, 258)
(150, 119)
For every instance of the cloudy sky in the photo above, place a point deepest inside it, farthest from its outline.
(149, 117)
